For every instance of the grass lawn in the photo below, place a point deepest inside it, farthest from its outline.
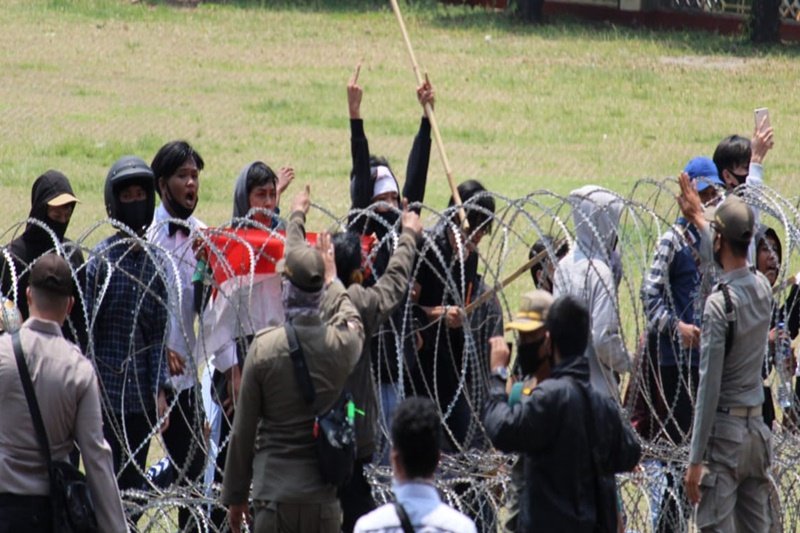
(521, 108)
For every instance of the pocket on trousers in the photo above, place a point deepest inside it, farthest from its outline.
(766, 438)
(725, 442)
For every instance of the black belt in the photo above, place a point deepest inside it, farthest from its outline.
(23, 500)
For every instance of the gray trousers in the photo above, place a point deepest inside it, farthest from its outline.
(736, 488)
(275, 517)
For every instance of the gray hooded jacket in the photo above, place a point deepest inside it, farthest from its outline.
(586, 272)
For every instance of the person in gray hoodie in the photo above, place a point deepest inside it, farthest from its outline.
(591, 271)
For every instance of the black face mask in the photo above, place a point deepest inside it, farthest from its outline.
(378, 227)
(59, 228)
(180, 210)
(528, 357)
(136, 215)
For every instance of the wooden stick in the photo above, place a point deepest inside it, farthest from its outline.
(432, 119)
(535, 260)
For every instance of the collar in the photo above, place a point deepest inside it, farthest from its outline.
(307, 320)
(735, 274)
(41, 325)
(415, 490)
(161, 216)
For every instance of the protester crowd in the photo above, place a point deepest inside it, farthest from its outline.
(245, 372)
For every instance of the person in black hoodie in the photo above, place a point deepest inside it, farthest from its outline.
(52, 204)
(376, 198)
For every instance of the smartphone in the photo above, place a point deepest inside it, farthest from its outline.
(761, 113)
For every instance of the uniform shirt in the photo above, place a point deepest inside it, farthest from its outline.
(425, 511)
(66, 390)
(182, 262)
(272, 441)
(126, 303)
(732, 380)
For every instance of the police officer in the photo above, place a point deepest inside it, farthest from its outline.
(66, 389)
(730, 449)
(272, 441)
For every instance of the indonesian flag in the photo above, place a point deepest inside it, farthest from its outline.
(232, 252)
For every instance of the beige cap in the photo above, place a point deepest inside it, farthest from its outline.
(62, 199)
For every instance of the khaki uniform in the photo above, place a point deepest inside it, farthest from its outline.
(69, 400)
(729, 433)
(272, 441)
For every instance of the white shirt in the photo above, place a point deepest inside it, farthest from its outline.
(242, 306)
(424, 508)
(180, 266)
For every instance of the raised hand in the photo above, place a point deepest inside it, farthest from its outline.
(426, 94)
(410, 219)
(302, 200)
(354, 94)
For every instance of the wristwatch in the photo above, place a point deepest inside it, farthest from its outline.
(500, 372)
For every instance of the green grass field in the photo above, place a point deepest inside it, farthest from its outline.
(521, 108)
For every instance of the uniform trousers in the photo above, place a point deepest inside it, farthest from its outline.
(735, 490)
(276, 517)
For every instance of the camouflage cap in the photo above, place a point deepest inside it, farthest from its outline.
(532, 311)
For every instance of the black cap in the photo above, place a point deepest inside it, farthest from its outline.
(52, 274)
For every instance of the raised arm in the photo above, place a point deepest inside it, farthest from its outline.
(360, 179)
(419, 158)
(388, 292)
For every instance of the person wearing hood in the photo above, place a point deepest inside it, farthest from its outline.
(176, 169)
(127, 348)
(587, 272)
(572, 437)
(242, 306)
(376, 198)
(52, 205)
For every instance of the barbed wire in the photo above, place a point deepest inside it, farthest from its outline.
(473, 477)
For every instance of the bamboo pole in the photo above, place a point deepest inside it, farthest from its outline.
(432, 118)
(535, 260)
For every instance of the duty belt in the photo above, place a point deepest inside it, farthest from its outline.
(742, 412)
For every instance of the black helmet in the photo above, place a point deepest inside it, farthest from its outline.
(126, 171)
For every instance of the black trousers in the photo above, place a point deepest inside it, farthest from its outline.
(680, 385)
(29, 514)
(356, 497)
(185, 443)
(126, 433)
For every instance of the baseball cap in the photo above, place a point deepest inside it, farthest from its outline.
(532, 311)
(733, 219)
(52, 274)
(703, 172)
(303, 266)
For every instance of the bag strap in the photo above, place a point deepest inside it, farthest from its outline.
(730, 315)
(405, 521)
(30, 395)
(301, 373)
